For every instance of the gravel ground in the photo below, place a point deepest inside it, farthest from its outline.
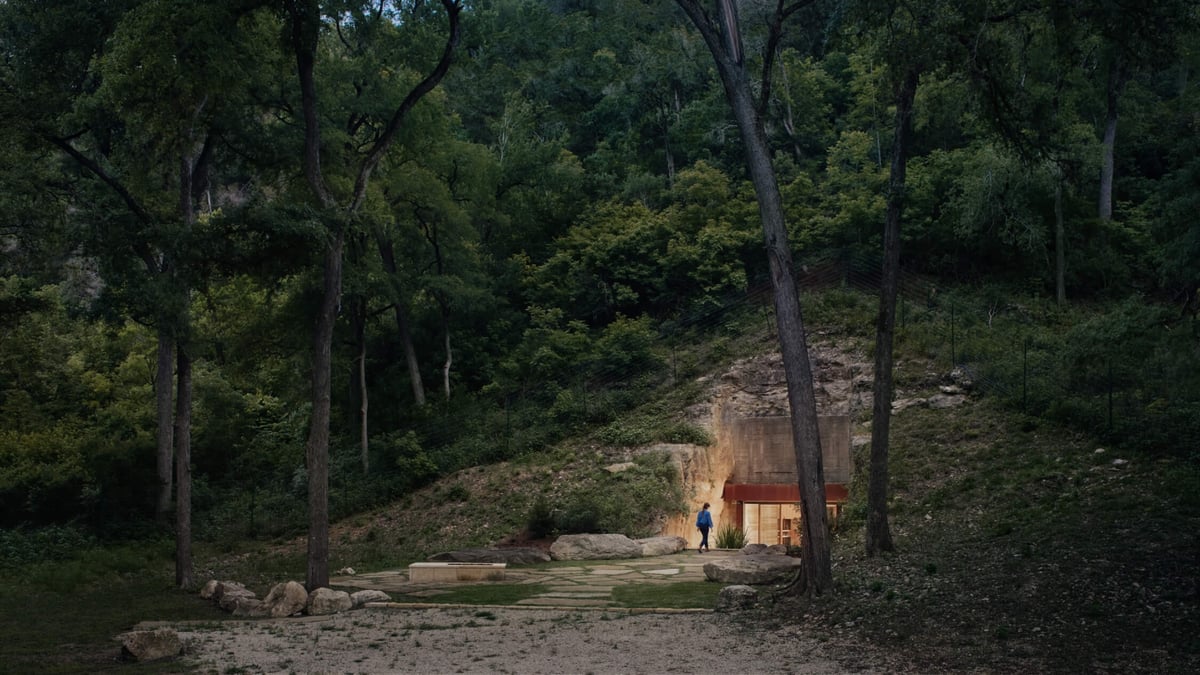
(503, 640)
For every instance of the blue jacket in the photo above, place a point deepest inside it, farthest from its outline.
(704, 519)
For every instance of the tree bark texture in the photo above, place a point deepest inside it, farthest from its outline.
(305, 28)
(817, 569)
(164, 378)
(1060, 240)
(878, 534)
(316, 449)
(184, 574)
(1107, 167)
(387, 254)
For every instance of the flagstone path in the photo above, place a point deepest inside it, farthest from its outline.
(583, 584)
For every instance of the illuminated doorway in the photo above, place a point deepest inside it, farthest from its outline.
(771, 523)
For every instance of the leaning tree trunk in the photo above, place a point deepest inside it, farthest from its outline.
(724, 42)
(879, 535)
(387, 254)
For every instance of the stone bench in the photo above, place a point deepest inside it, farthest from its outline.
(440, 572)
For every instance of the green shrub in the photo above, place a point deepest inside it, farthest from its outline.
(541, 519)
(730, 536)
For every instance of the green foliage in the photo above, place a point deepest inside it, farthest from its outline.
(730, 536)
(629, 502)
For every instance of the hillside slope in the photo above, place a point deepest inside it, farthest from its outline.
(1020, 547)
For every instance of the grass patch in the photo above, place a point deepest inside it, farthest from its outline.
(480, 594)
(68, 627)
(685, 595)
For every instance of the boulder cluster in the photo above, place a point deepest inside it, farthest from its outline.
(289, 598)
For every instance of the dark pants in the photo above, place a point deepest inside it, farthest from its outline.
(703, 536)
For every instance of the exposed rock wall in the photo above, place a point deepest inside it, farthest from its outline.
(753, 387)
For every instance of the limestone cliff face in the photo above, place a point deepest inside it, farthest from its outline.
(753, 387)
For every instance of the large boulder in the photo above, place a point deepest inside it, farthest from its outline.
(360, 598)
(752, 570)
(149, 645)
(594, 547)
(652, 546)
(328, 601)
(511, 556)
(286, 599)
(736, 598)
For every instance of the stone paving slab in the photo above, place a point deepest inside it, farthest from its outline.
(583, 586)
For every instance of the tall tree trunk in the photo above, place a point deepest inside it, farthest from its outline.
(1116, 82)
(184, 574)
(305, 28)
(316, 450)
(449, 353)
(164, 378)
(1060, 240)
(387, 254)
(360, 336)
(724, 43)
(879, 534)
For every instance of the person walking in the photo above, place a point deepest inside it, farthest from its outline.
(704, 524)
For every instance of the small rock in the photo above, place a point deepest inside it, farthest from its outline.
(148, 645)
(361, 598)
(736, 598)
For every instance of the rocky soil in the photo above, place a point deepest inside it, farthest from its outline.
(502, 640)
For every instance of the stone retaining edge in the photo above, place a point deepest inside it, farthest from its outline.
(562, 608)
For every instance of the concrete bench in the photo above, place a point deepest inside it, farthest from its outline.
(440, 572)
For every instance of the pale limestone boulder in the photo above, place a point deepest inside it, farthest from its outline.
(250, 607)
(209, 589)
(652, 546)
(286, 599)
(214, 590)
(736, 598)
(754, 570)
(360, 598)
(149, 645)
(234, 596)
(328, 601)
(594, 547)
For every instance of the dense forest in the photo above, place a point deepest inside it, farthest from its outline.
(405, 238)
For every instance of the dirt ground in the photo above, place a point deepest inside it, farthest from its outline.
(506, 640)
